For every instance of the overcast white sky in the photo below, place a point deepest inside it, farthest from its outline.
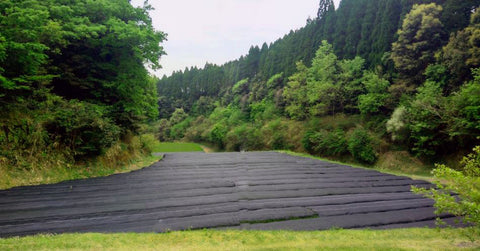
(217, 31)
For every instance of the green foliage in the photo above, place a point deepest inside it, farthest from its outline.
(82, 127)
(464, 106)
(322, 93)
(326, 143)
(147, 143)
(461, 53)
(364, 28)
(242, 138)
(325, 7)
(177, 131)
(178, 116)
(360, 146)
(458, 192)
(376, 96)
(241, 87)
(295, 93)
(418, 39)
(263, 111)
(275, 81)
(329, 86)
(203, 106)
(426, 119)
(73, 80)
(52, 167)
(338, 73)
(218, 134)
(274, 135)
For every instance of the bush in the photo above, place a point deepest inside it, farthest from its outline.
(307, 141)
(273, 134)
(197, 130)
(164, 130)
(83, 128)
(217, 135)
(177, 131)
(452, 183)
(326, 143)
(148, 143)
(332, 143)
(235, 139)
(243, 137)
(360, 146)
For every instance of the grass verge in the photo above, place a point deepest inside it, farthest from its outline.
(398, 239)
(420, 173)
(167, 147)
(20, 177)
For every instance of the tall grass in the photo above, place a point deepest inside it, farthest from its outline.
(133, 152)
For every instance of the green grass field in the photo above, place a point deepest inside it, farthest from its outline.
(168, 147)
(399, 239)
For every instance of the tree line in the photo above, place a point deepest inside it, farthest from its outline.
(369, 77)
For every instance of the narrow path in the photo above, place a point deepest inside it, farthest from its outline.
(254, 190)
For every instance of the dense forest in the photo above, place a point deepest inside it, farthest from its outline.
(366, 80)
(73, 80)
(370, 79)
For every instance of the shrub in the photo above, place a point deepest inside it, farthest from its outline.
(164, 130)
(274, 134)
(243, 137)
(235, 139)
(307, 141)
(178, 116)
(197, 129)
(360, 146)
(217, 134)
(177, 131)
(82, 127)
(326, 143)
(452, 183)
(148, 142)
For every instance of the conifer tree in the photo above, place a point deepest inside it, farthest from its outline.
(325, 7)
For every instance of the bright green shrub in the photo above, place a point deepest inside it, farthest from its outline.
(452, 183)
(326, 143)
(218, 134)
(360, 146)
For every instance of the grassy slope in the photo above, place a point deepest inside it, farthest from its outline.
(420, 172)
(19, 177)
(405, 239)
(13, 177)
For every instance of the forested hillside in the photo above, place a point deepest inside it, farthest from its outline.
(73, 82)
(373, 78)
